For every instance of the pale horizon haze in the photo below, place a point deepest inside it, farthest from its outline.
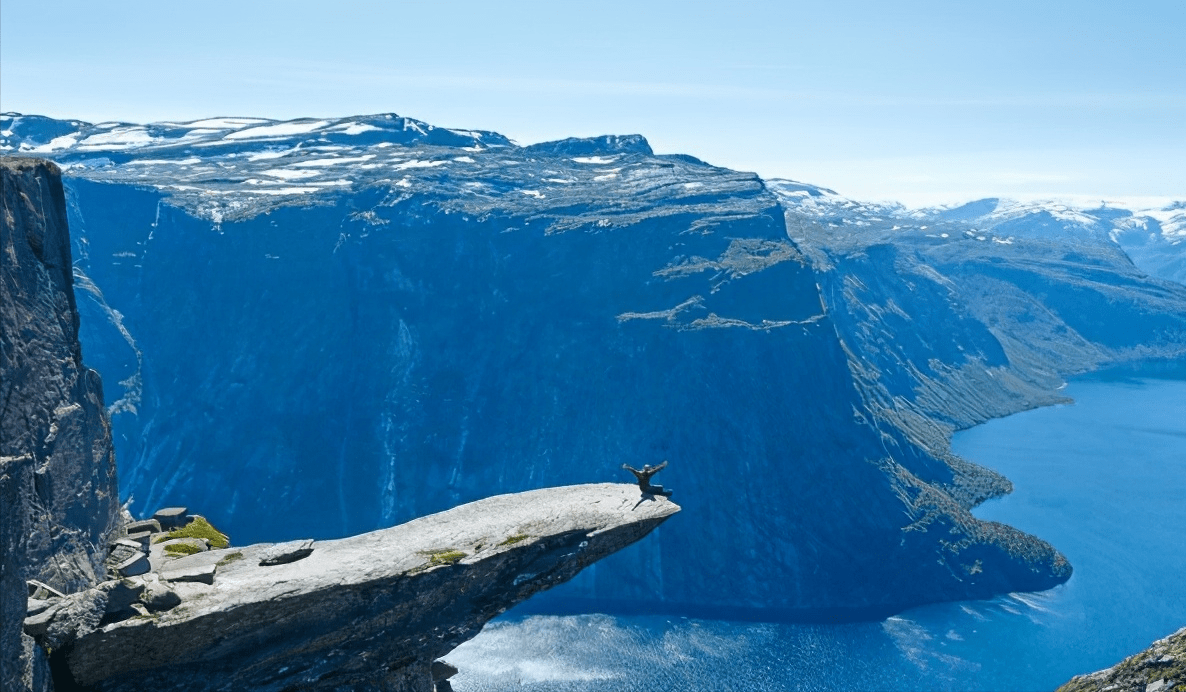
(916, 102)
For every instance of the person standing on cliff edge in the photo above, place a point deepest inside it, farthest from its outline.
(644, 478)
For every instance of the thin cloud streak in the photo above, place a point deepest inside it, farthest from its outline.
(312, 77)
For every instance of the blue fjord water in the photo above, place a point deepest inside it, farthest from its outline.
(1103, 479)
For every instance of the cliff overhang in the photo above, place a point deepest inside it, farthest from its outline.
(371, 611)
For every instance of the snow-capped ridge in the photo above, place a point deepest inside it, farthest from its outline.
(1151, 238)
(41, 135)
(971, 210)
(233, 166)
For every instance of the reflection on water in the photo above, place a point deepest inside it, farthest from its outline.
(599, 652)
(1104, 480)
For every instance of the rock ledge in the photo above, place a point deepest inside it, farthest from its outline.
(367, 612)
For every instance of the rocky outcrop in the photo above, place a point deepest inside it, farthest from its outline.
(1160, 668)
(58, 495)
(368, 612)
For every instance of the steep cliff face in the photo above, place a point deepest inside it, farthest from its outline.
(57, 469)
(381, 319)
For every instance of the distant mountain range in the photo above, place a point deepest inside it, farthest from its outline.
(318, 327)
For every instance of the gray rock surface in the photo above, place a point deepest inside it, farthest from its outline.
(126, 558)
(203, 573)
(1160, 668)
(37, 605)
(58, 496)
(39, 589)
(171, 517)
(78, 614)
(160, 557)
(158, 596)
(368, 612)
(145, 526)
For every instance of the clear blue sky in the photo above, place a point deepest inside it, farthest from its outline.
(916, 101)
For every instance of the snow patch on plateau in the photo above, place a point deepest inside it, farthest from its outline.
(289, 174)
(353, 128)
(1172, 220)
(285, 190)
(165, 162)
(221, 123)
(278, 130)
(266, 155)
(416, 163)
(63, 142)
(334, 161)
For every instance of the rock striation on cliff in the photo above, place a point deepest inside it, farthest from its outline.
(1160, 668)
(367, 612)
(58, 496)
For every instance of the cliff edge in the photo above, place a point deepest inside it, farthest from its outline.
(1160, 668)
(59, 502)
(371, 611)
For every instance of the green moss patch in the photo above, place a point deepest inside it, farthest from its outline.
(230, 558)
(199, 528)
(182, 549)
(445, 556)
(511, 540)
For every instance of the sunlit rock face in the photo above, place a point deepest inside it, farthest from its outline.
(323, 327)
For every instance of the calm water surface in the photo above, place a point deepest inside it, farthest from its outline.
(1103, 479)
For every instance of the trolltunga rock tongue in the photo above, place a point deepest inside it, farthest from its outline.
(368, 612)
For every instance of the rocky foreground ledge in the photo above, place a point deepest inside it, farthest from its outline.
(370, 612)
(1160, 668)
